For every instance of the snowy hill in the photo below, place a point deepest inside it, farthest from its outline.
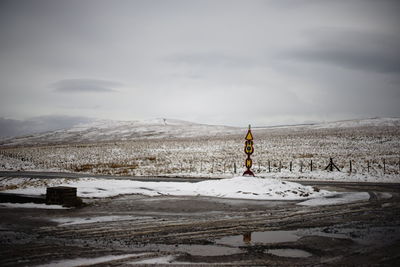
(355, 123)
(109, 130)
(372, 122)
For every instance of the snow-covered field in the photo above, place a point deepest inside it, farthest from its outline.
(185, 149)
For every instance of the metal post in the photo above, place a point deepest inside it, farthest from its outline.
(269, 166)
(368, 166)
(301, 166)
(280, 166)
(234, 167)
(311, 165)
(290, 166)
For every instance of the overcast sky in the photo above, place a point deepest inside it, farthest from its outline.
(216, 62)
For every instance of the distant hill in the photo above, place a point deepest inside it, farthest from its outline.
(355, 123)
(110, 130)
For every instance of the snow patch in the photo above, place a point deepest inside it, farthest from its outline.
(159, 260)
(237, 187)
(89, 261)
(84, 220)
(32, 206)
(338, 199)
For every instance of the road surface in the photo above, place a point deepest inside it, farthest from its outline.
(136, 229)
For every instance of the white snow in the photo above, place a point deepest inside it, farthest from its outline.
(110, 130)
(359, 123)
(172, 148)
(31, 206)
(341, 198)
(159, 260)
(333, 176)
(83, 220)
(289, 252)
(89, 261)
(236, 187)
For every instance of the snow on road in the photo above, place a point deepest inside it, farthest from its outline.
(31, 206)
(341, 198)
(90, 261)
(65, 221)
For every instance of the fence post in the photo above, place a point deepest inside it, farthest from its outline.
(290, 166)
(301, 166)
(280, 166)
(331, 165)
(234, 167)
(351, 168)
(311, 165)
(269, 166)
(384, 166)
(368, 166)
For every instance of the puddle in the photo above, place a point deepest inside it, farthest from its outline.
(253, 238)
(204, 250)
(195, 250)
(289, 252)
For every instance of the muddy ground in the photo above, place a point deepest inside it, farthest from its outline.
(207, 231)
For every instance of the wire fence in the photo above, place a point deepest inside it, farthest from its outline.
(373, 166)
(159, 165)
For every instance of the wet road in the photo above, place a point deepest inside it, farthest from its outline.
(196, 230)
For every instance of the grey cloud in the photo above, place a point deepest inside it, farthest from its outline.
(85, 85)
(11, 127)
(351, 49)
(208, 59)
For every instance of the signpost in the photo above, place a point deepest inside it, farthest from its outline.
(248, 149)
